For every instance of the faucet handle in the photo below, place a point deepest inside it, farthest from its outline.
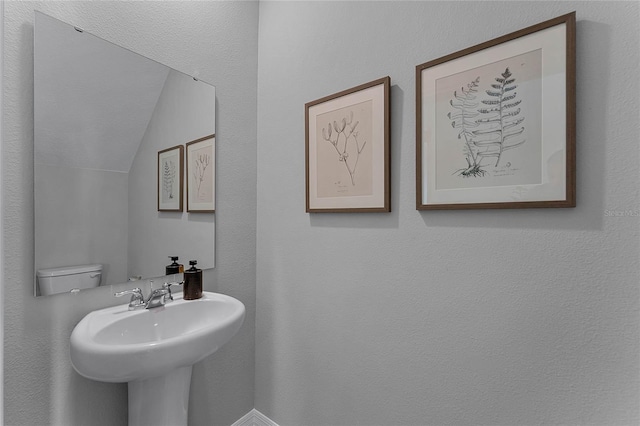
(137, 299)
(167, 286)
(133, 292)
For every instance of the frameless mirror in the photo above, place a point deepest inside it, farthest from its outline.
(102, 115)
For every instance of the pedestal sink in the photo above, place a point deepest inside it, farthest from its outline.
(154, 351)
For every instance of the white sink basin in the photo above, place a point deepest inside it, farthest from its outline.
(118, 345)
(153, 348)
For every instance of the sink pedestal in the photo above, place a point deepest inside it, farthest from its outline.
(153, 350)
(160, 401)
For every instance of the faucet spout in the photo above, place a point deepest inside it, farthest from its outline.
(157, 298)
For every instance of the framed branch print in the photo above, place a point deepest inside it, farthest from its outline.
(495, 123)
(201, 175)
(170, 174)
(347, 150)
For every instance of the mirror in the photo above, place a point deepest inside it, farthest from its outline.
(102, 115)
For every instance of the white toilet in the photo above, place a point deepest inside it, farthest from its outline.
(67, 278)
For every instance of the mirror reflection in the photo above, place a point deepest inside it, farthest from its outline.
(101, 116)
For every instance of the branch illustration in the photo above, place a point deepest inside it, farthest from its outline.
(345, 135)
(201, 164)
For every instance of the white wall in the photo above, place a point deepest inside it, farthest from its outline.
(92, 202)
(445, 317)
(215, 41)
(185, 112)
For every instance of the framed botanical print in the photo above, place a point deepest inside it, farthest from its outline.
(347, 150)
(170, 178)
(495, 123)
(201, 175)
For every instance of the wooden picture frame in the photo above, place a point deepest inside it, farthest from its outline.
(495, 123)
(347, 164)
(170, 179)
(201, 174)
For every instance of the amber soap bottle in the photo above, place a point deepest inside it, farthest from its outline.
(192, 288)
(174, 268)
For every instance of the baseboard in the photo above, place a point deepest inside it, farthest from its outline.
(255, 418)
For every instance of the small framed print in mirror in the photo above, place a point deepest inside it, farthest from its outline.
(170, 174)
(201, 175)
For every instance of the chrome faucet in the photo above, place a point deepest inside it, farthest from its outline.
(158, 297)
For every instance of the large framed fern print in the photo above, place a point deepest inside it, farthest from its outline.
(495, 123)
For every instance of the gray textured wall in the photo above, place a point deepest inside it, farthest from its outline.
(444, 317)
(494, 317)
(216, 41)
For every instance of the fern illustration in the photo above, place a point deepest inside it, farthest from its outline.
(462, 119)
(499, 130)
(168, 178)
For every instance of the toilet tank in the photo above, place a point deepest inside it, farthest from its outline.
(67, 278)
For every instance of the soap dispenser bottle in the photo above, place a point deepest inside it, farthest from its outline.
(174, 268)
(192, 288)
